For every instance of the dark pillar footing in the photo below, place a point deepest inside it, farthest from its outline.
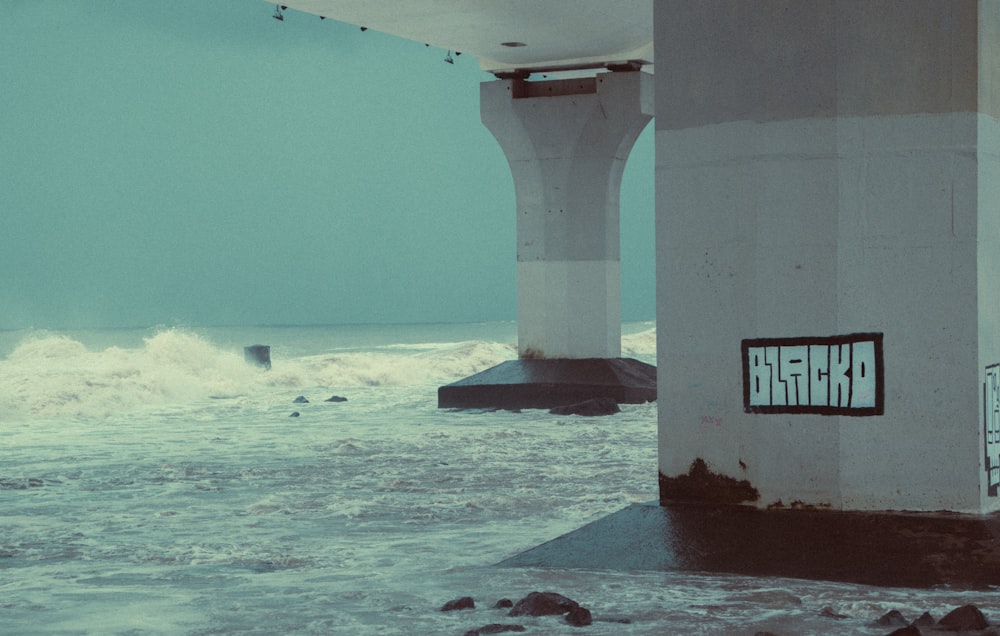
(544, 384)
(889, 549)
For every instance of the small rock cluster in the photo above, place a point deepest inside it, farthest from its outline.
(534, 604)
(304, 400)
(967, 619)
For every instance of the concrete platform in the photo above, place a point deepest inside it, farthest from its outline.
(544, 384)
(885, 549)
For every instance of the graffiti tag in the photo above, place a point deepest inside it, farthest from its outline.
(836, 375)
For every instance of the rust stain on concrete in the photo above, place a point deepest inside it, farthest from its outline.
(701, 484)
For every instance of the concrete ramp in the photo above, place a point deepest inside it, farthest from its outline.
(871, 548)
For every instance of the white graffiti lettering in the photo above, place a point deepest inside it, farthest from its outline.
(821, 375)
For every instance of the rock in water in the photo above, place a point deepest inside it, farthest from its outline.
(967, 617)
(543, 604)
(828, 612)
(294, 414)
(925, 620)
(579, 617)
(893, 618)
(596, 406)
(300, 400)
(335, 398)
(465, 602)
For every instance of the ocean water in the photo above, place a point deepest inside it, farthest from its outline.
(152, 482)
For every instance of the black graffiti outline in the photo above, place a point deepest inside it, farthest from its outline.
(992, 485)
(865, 411)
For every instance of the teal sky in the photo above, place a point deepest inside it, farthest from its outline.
(200, 163)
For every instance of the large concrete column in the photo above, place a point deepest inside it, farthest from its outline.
(828, 225)
(566, 142)
(828, 305)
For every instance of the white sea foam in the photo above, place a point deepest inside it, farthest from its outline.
(53, 375)
(641, 345)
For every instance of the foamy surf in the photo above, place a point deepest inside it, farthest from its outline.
(52, 375)
(55, 375)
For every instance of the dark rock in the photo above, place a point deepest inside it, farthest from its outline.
(300, 400)
(579, 617)
(495, 628)
(909, 630)
(892, 619)
(503, 603)
(967, 617)
(543, 604)
(462, 603)
(335, 398)
(765, 634)
(594, 407)
(829, 613)
(294, 414)
(925, 619)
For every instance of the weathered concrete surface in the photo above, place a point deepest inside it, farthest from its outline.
(775, 60)
(885, 549)
(544, 384)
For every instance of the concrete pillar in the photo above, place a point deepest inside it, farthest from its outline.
(828, 251)
(567, 142)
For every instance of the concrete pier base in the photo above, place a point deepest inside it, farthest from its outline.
(543, 384)
(894, 549)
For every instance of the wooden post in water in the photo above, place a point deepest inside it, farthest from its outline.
(259, 355)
